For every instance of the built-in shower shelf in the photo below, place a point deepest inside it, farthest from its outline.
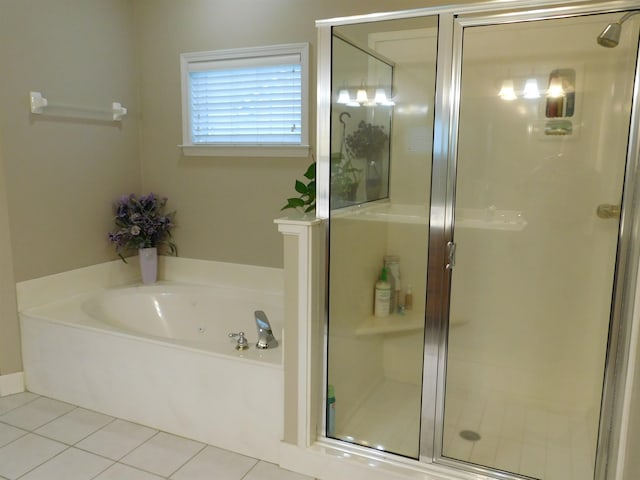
(395, 323)
(489, 218)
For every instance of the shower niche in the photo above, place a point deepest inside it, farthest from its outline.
(493, 355)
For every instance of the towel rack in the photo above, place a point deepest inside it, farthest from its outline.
(40, 105)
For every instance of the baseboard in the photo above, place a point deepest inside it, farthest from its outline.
(11, 383)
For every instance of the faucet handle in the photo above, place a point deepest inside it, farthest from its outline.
(242, 343)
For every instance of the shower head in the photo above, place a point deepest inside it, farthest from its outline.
(610, 36)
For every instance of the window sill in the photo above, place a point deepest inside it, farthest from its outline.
(245, 150)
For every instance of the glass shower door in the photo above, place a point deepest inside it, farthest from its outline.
(380, 71)
(541, 152)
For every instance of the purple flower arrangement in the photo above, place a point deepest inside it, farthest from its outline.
(142, 223)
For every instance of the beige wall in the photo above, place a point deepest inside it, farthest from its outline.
(225, 205)
(61, 175)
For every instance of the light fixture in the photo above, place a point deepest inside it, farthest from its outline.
(361, 95)
(555, 89)
(382, 99)
(368, 96)
(343, 97)
(507, 92)
(531, 89)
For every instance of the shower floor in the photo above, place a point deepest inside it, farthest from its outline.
(389, 419)
(513, 436)
(517, 437)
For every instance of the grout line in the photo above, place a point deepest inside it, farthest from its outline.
(251, 469)
(204, 445)
(53, 420)
(22, 404)
(104, 470)
(46, 461)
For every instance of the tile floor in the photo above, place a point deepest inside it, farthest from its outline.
(44, 439)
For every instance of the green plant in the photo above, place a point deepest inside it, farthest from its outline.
(367, 140)
(345, 177)
(307, 198)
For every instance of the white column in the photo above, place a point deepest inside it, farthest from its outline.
(304, 254)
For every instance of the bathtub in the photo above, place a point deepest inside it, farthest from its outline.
(161, 356)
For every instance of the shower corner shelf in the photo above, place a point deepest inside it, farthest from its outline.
(490, 218)
(394, 323)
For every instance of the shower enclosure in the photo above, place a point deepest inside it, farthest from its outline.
(482, 162)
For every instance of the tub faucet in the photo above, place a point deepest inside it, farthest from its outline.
(265, 335)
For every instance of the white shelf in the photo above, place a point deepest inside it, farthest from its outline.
(395, 323)
(41, 106)
(489, 218)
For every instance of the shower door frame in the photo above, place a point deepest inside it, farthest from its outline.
(446, 110)
(442, 229)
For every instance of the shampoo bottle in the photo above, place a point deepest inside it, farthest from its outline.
(382, 300)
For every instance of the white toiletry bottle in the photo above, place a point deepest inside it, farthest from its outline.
(392, 263)
(382, 301)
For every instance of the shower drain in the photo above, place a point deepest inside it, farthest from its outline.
(470, 435)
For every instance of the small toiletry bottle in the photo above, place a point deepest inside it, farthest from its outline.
(408, 299)
(392, 263)
(382, 301)
(331, 411)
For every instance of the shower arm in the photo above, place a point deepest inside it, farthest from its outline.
(626, 16)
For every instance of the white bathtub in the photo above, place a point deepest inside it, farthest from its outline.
(160, 355)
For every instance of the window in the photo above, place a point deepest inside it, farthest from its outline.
(246, 102)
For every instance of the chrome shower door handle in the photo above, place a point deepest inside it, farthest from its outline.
(451, 253)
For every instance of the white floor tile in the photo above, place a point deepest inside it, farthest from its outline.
(459, 449)
(118, 471)
(508, 455)
(116, 439)
(36, 413)
(484, 450)
(533, 460)
(26, 453)
(17, 400)
(74, 426)
(558, 465)
(215, 463)
(9, 434)
(163, 454)
(269, 471)
(72, 464)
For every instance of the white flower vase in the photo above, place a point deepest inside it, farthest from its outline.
(148, 264)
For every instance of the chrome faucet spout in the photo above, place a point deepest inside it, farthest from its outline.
(265, 334)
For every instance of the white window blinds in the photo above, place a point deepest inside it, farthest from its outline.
(257, 99)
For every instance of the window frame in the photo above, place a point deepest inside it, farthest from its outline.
(245, 149)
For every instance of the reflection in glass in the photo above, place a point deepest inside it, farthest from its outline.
(362, 110)
(375, 363)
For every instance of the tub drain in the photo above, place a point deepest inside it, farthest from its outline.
(470, 435)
